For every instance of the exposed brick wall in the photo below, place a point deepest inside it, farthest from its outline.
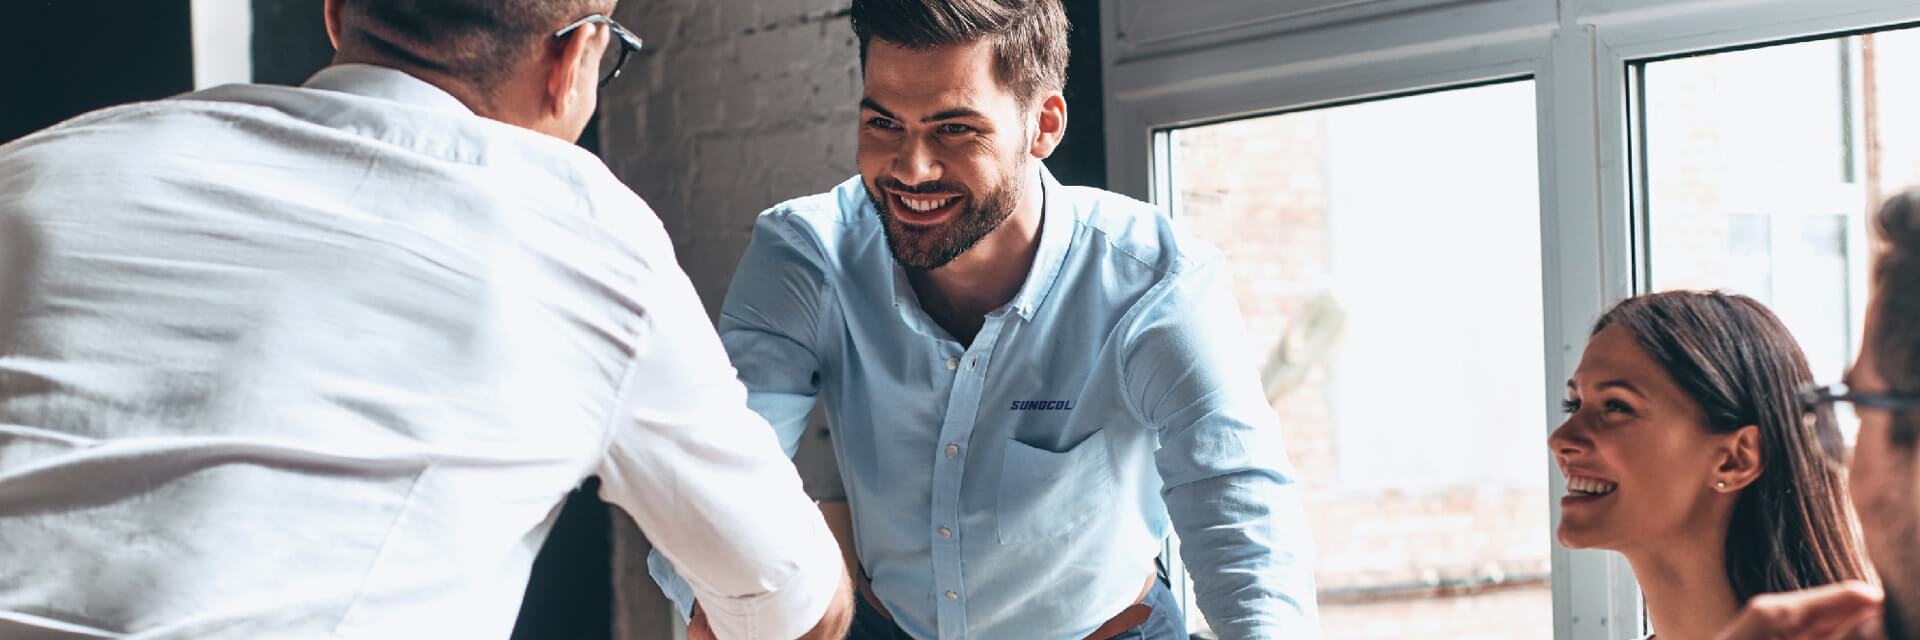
(735, 105)
(732, 107)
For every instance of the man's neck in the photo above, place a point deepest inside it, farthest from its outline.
(986, 277)
(1687, 592)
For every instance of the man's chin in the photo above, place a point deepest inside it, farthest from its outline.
(918, 260)
(915, 249)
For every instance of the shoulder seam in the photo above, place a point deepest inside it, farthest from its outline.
(781, 217)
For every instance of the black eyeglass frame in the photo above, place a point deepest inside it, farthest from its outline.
(629, 43)
(1817, 402)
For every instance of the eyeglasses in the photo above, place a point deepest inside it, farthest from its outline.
(610, 62)
(1823, 406)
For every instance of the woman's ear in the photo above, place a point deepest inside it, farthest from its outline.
(1740, 462)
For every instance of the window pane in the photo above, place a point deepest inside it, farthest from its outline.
(1763, 166)
(1891, 60)
(1386, 258)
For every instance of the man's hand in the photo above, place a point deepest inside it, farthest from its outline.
(697, 627)
(839, 616)
(1841, 611)
(833, 625)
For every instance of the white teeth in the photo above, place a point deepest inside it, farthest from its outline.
(1589, 486)
(924, 206)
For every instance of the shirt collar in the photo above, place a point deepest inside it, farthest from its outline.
(1056, 234)
(1057, 216)
(385, 83)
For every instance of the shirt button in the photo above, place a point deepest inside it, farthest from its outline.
(953, 449)
(953, 363)
(946, 533)
(953, 596)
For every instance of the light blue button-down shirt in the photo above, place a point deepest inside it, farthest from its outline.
(1020, 486)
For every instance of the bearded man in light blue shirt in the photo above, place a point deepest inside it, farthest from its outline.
(1030, 385)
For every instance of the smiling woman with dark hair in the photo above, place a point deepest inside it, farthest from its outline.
(1685, 450)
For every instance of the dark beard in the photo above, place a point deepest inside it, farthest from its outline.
(927, 248)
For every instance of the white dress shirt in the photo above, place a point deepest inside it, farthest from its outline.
(323, 362)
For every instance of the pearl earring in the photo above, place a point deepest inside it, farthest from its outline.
(1720, 484)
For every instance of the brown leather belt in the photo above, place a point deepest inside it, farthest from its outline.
(1132, 616)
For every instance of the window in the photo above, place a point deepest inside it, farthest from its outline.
(1761, 170)
(1386, 258)
(1674, 144)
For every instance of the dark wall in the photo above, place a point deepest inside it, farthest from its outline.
(1082, 157)
(289, 40)
(570, 594)
(62, 58)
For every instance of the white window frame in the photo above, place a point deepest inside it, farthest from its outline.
(222, 42)
(1577, 53)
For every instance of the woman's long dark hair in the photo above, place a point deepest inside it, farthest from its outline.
(1793, 528)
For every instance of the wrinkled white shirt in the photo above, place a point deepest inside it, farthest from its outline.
(324, 361)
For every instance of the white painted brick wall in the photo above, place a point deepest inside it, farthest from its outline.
(733, 106)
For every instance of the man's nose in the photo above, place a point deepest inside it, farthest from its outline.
(916, 164)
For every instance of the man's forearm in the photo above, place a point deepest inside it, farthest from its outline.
(1245, 540)
(839, 516)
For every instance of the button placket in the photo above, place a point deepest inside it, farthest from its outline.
(963, 409)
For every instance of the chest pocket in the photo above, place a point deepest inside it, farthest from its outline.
(1047, 494)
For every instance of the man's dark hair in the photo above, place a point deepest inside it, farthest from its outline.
(1896, 334)
(1029, 37)
(478, 41)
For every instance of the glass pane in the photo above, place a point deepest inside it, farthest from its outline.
(1763, 166)
(1891, 60)
(1386, 258)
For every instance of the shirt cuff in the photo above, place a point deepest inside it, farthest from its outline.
(788, 611)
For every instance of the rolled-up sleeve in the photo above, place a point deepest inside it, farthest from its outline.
(767, 326)
(771, 321)
(708, 483)
(1227, 483)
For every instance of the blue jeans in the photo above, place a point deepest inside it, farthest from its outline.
(1165, 623)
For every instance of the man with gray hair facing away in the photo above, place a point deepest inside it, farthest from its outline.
(323, 361)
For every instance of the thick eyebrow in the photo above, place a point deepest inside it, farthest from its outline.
(868, 103)
(949, 114)
(954, 114)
